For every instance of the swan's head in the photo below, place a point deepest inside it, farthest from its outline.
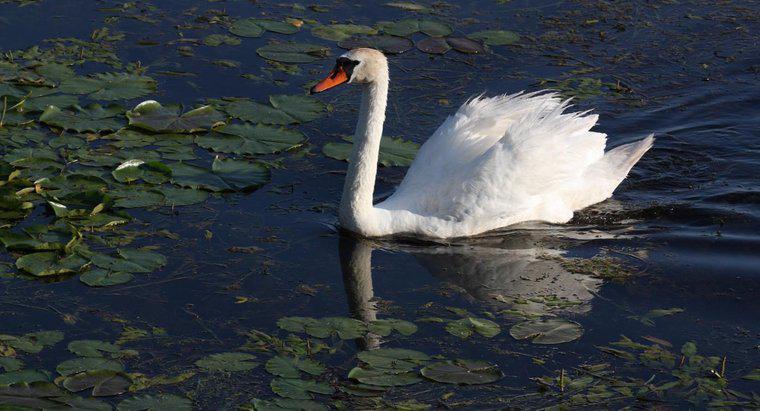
(356, 66)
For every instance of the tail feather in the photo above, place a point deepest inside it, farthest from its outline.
(620, 160)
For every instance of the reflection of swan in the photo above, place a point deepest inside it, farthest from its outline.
(496, 162)
(518, 272)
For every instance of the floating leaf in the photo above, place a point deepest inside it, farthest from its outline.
(110, 86)
(248, 139)
(36, 395)
(254, 112)
(32, 342)
(94, 117)
(293, 52)
(435, 28)
(246, 28)
(465, 45)
(104, 278)
(388, 44)
(384, 327)
(228, 362)
(298, 389)
(84, 364)
(146, 261)
(219, 39)
(103, 382)
(49, 263)
(161, 402)
(92, 348)
(132, 170)
(394, 360)
(466, 326)
(383, 377)
(22, 376)
(467, 372)
(302, 108)
(393, 151)
(433, 45)
(754, 375)
(338, 32)
(225, 175)
(289, 367)
(280, 404)
(10, 364)
(152, 116)
(495, 37)
(401, 28)
(549, 331)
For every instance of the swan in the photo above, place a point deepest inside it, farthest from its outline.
(496, 162)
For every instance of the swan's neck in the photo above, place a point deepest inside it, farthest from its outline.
(356, 203)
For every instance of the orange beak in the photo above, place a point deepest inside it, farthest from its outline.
(336, 77)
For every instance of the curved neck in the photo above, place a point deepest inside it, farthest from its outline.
(356, 202)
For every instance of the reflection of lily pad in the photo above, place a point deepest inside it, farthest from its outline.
(388, 44)
(248, 139)
(393, 151)
(94, 117)
(293, 52)
(228, 361)
(549, 331)
(496, 37)
(467, 372)
(152, 116)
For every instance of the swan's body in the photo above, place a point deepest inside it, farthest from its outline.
(496, 162)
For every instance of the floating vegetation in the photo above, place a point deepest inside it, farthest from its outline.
(393, 151)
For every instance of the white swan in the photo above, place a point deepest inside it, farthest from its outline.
(496, 162)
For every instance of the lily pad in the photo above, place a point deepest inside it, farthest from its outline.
(465, 45)
(246, 28)
(395, 360)
(549, 331)
(103, 382)
(152, 116)
(84, 364)
(49, 263)
(339, 32)
(287, 367)
(94, 117)
(495, 37)
(92, 348)
(433, 45)
(22, 376)
(110, 86)
(293, 52)
(225, 175)
(466, 326)
(299, 389)
(388, 44)
(393, 151)
(383, 377)
(9, 364)
(228, 362)
(302, 108)
(254, 112)
(467, 372)
(32, 342)
(161, 402)
(384, 327)
(248, 139)
(281, 404)
(36, 395)
(219, 39)
(132, 170)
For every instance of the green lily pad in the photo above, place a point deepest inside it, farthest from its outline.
(393, 151)
(468, 372)
(339, 32)
(94, 118)
(287, 367)
(22, 376)
(147, 261)
(219, 39)
(9, 364)
(49, 263)
(384, 327)
(495, 37)
(281, 404)
(293, 52)
(393, 360)
(228, 362)
(92, 348)
(103, 382)
(225, 175)
(302, 108)
(36, 395)
(246, 28)
(388, 44)
(435, 28)
(549, 331)
(175, 197)
(84, 364)
(466, 326)
(299, 389)
(32, 342)
(465, 45)
(132, 170)
(248, 139)
(161, 402)
(109, 86)
(152, 116)
(383, 377)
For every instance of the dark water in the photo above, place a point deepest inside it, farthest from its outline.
(685, 223)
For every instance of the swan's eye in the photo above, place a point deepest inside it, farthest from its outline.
(342, 72)
(347, 65)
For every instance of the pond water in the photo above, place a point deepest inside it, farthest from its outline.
(179, 284)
